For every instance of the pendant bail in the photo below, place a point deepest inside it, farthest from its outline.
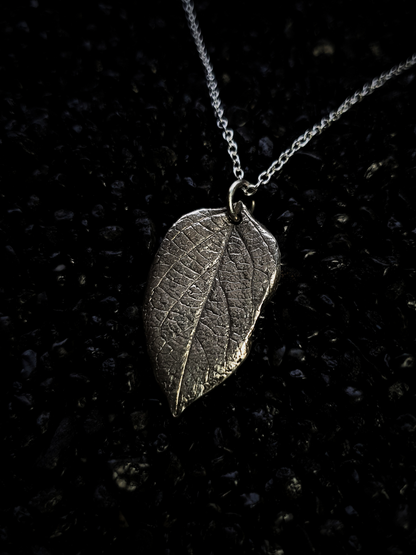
(233, 214)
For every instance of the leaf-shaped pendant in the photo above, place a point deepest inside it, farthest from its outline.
(207, 285)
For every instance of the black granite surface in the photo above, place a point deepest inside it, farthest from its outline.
(107, 137)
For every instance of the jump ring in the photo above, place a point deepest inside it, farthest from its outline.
(235, 216)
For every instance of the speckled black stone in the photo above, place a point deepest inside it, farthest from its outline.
(107, 137)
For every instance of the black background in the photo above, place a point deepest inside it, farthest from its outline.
(107, 138)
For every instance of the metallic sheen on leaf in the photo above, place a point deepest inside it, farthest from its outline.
(207, 285)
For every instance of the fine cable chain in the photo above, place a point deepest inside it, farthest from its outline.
(212, 84)
(228, 134)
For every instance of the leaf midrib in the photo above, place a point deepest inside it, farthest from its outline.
(197, 319)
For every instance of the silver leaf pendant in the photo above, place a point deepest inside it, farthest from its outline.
(207, 285)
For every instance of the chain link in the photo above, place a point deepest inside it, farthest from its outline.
(222, 122)
(228, 134)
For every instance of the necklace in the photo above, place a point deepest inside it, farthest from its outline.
(216, 268)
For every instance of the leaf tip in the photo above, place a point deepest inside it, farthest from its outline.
(176, 410)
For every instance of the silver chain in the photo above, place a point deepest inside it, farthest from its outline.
(222, 122)
(228, 134)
